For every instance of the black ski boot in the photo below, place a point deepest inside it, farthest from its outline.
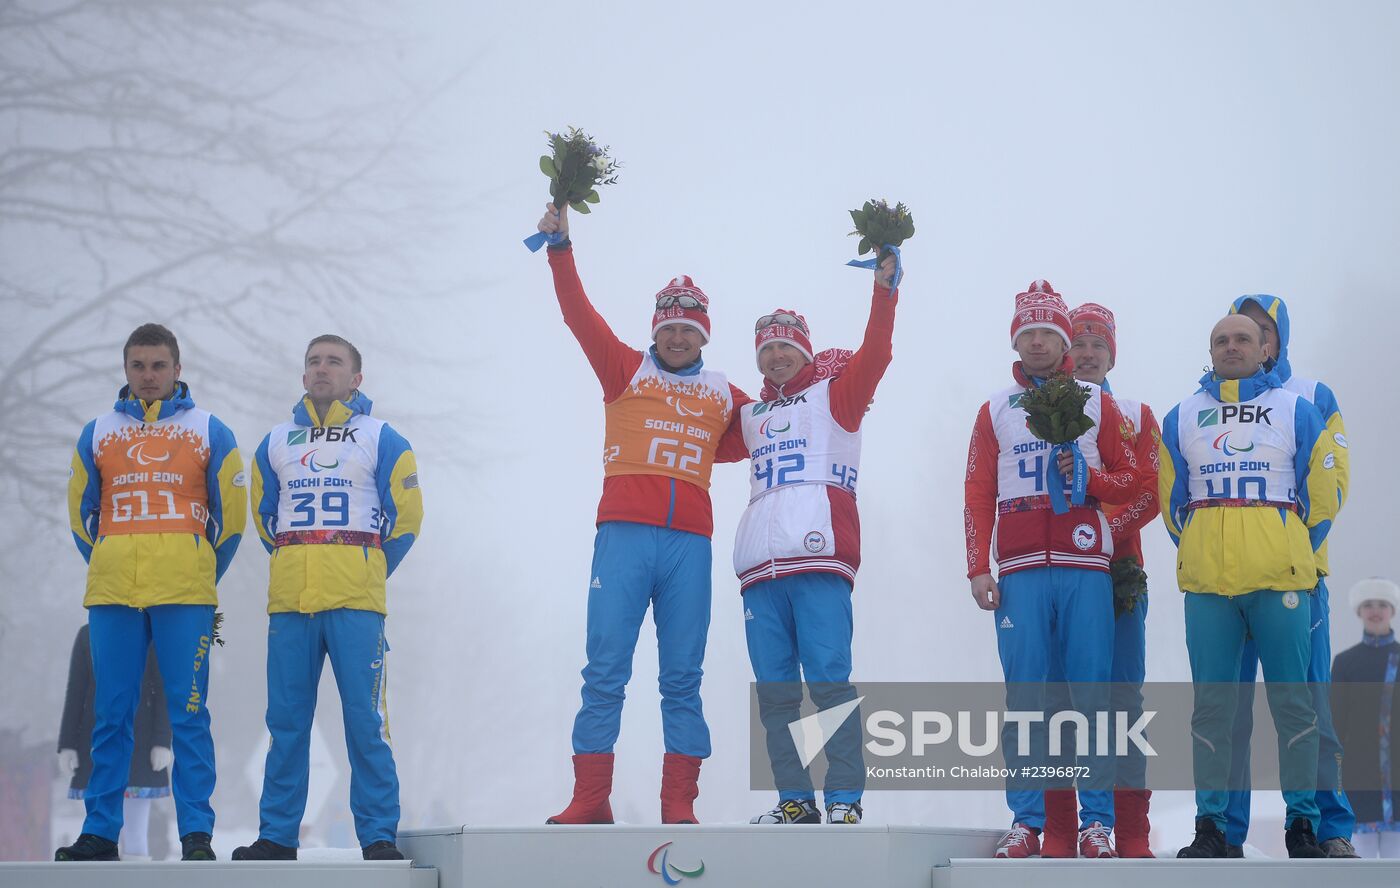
(1209, 842)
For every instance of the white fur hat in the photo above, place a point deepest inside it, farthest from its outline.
(1375, 589)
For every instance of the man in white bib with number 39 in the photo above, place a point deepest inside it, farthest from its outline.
(338, 506)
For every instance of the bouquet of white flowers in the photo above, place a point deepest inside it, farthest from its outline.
(576, 166)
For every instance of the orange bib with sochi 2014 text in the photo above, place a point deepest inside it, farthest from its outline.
(154, 475)
(665, 424)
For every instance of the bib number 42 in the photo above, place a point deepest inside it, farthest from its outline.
(772, 476)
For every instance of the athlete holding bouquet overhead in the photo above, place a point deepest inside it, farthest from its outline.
(665, 415)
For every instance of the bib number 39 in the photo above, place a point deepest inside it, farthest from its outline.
(333, 510)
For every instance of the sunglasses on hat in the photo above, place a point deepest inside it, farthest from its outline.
(684, 300)
(784, 318)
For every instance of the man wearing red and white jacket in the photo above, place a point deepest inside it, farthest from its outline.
(1053, 586)
(1094, 350)
(798, 545)
(666, 415)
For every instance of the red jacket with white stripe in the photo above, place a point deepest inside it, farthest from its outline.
(1007, 515)
(804, 448)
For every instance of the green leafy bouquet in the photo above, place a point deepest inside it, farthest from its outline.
(1129, 584)
(1055, 414)
(879, 226)
(1055, 410)
(576, 166)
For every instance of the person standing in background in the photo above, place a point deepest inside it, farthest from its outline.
(1094, 349)
(1364, 707)
(1336, 819)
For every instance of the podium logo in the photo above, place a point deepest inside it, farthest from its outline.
(669, 872)
(811, 734)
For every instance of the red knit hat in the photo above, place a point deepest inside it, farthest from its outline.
(1096, 320)
(782, 325)
(1040, 308)
(681, 302)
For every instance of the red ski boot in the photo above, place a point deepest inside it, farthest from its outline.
(1130, 827)
(679, 787)
(593, 774)
(1060, 838)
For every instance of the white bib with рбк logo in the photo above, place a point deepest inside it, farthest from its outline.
(796, 440)
(1240, 453)
(327, 482)
(802, 514)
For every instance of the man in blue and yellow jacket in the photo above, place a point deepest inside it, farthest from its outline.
(1336, 820)
(157, 503)
(338, 506)
(1248, 487)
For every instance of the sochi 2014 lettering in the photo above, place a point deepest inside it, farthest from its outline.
(301, 483)
(664, 425)
(790, 444)
(148, 478)
(1239, 466)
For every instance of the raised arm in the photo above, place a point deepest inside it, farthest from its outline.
(612, 360)
(853, 390)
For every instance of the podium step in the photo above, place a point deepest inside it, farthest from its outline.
(219, 874)
(1166, 873)
(716, 855)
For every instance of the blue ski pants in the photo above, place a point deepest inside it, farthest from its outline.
(636, 566)
(799, 628)
(297, 647)
(120, 637)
